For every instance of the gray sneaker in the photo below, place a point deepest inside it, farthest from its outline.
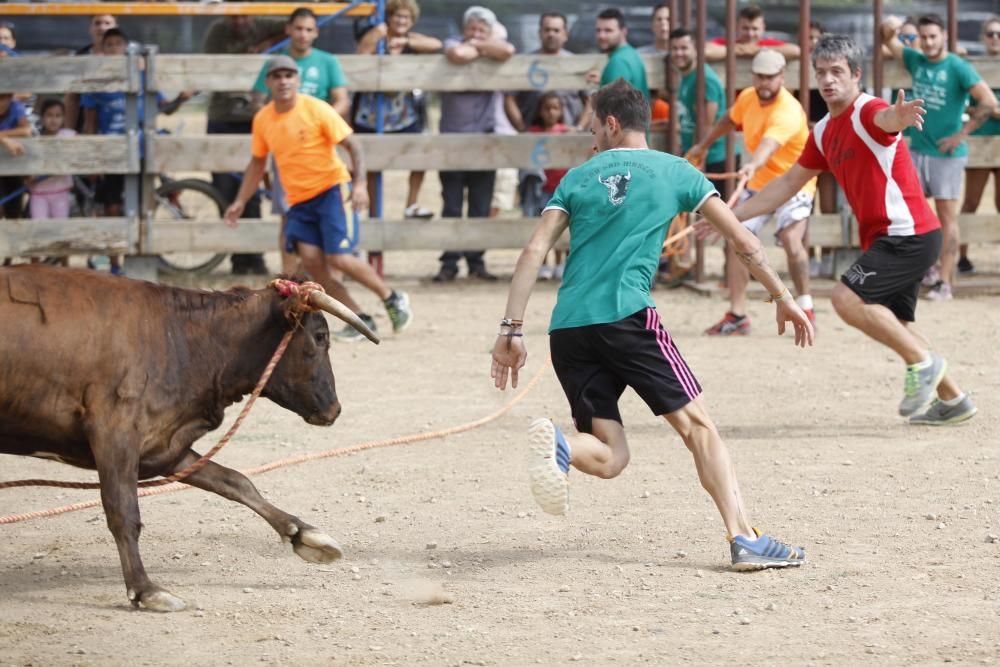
(940, 414)
(920, 385)
(398, 308)
(351, 335)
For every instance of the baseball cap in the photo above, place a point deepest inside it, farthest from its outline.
(278, 63)
(767, 62)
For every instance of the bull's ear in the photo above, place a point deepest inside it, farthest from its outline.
(286, 307)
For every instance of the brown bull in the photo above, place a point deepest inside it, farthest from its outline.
(122, 377)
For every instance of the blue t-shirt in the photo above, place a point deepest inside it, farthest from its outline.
(13, 117)
(111, 110)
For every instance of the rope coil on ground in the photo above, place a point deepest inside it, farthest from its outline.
(304, 458)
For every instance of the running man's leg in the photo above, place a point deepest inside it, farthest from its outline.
(602, 453)
(792, 240)
(737, 277)
(715, 468)
(361, 271)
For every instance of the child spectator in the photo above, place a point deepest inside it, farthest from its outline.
(537, 192)
(8, 39)
(13, 123)
(104, 113)
(50, 195)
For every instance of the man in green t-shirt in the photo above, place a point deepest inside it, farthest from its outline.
(605, 332)
(682, 56)
(624, 62)
(944, 82)
(320, 76)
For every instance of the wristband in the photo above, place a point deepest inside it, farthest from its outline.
(780, 297)
(514, 324)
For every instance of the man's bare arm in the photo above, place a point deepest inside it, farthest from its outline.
(495, 49)
(775, 193)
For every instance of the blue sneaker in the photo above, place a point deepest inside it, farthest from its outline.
(764, 552)
(548, 466)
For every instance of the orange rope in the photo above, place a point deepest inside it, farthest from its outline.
(296, 460)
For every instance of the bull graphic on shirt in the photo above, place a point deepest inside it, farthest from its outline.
(617, 186)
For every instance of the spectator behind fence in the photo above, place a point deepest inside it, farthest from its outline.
(505, 183)
(320, 76)
(105, 113)
(8, 39)
(51, 195)
(474, 113)
(537, 191)
(660, 27)
(976, 178)
(750, 38)
(302, 133)
(403, 112)
(682, 56)
(13, 123)
(775, 130)
(624, 62)
(944, 81)
(99, 24)
(232, 112)
(522, 106)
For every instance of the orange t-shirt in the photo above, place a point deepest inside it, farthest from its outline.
(303, 141)
(784, 121)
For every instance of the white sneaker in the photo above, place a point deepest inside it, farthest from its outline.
(545, 272)
(548, 466)
(417, 211)
(557, 273)
(940, 292)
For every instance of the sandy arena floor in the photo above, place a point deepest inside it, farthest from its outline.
(896, 520)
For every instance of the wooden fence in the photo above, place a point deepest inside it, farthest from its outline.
(167, 154)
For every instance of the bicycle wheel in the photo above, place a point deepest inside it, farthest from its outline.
(188, 199)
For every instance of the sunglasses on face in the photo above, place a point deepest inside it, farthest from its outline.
(993, 34)
(907, 39)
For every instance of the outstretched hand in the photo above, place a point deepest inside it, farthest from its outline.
(789, 311)
(909, 114)
(509, 355)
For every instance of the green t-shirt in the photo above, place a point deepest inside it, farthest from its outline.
(620, 204)
(944, 87)
(318, 73)
(992, 125)
(687, 110)
(626, 63)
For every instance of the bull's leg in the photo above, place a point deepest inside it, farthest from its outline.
(308, 542)
(118, 469)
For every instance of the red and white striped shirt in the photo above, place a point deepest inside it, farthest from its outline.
(875, 170)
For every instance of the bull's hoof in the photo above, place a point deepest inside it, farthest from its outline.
(316, 547)
(161, 600)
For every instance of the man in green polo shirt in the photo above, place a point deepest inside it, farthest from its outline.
(944, 81)
(624, 62)
(682, 56)
(606, 333)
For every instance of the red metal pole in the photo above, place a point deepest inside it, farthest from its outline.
(805, 48)
(700, 128)
(673, 143)
(877, 52)
(953, 25)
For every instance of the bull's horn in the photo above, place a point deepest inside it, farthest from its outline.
(327, 303)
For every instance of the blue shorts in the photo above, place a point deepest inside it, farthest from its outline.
(321, 222)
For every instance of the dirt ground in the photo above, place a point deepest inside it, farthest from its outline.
(896, 520)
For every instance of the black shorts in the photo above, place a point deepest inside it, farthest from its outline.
(889, 272)
(595, 363)
(110, 189)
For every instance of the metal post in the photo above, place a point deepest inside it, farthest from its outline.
(805, 48)
(953, 26)
(136, 265)
(699, 118)
(685, 21)
(673, 145)
(730, 77)
(877, 60)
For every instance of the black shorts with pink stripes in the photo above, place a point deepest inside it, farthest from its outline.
(595, 363)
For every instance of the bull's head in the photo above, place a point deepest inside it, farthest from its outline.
(303, 380)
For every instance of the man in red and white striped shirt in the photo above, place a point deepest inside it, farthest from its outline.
(860, 142)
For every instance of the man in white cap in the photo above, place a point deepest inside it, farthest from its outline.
(775, 130)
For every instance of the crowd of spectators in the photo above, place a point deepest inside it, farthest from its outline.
(483, 193)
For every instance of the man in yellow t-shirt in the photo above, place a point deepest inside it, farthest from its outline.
(302, 133)
(775, 130)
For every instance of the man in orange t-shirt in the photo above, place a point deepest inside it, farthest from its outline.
(302, 133)
(775, 130)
